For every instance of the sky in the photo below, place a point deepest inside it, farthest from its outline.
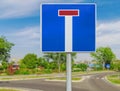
(20, 24)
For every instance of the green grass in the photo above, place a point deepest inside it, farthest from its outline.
(63, 78)
(8, 89)
(114, 79)
(90, 72)
(22, 77)
(5, 78)
(32, 77)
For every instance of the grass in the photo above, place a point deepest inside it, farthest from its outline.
(63, 78)
(3, 89)
(90, 72)
(114, 79)
(22, 77)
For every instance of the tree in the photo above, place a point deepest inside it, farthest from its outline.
(58, 58)
(4, 65)
(104, 55)
(5, 48)
(30, 61)
(42, 62)
(80, 67)
(115, 65)
(53, 65)
(55, 57)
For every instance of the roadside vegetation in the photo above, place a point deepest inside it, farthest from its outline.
(23, 77)
(3, 89)
(54, 62)
(114, 79)
(63, 78)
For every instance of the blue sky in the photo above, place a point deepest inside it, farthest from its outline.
(20, 23)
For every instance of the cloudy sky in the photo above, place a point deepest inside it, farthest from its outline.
(20, 23)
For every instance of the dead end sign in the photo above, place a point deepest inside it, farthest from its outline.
(68, 27)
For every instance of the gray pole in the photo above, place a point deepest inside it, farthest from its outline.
(68, 66)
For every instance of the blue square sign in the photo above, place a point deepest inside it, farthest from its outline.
(68, 27)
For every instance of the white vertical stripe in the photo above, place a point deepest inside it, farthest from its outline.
(68, 33)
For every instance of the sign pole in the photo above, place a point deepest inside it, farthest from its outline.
(69, 76)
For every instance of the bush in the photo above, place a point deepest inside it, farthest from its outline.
(118, 68)
(22, 71)
(63, 67)
(80, 67)
(1, 68)
(76, 69)
(47, 71)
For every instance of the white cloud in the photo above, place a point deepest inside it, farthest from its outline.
(113, 26)
(17, 8)
(22, 8)
(30, 32)
(109, 40)
(108, 33)
(27, 37)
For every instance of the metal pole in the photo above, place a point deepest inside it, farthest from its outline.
(69, 80)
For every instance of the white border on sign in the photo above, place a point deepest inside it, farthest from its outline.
(41, 28)
(74, 9)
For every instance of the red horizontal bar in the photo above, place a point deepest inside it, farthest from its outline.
(68, 12)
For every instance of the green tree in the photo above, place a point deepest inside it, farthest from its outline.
(5, 48)
(30, 60)
(80, 67)
(43, 63)
(4, 65)
(104, 55)
(115, 65)
(58, 58)
(53, 65)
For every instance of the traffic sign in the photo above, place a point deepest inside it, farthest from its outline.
(107, 66)
(67, 27)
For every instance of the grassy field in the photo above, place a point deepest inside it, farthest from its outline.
(8, 89)
(22, 77)
(114, 79)
(91, 72)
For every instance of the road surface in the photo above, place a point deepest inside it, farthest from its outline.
(95, 82)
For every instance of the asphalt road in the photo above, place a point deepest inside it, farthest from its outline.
(94, 82)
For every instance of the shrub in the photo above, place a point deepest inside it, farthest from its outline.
(47, 71)
(22, 71)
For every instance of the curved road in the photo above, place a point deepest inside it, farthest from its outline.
(94, 82)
